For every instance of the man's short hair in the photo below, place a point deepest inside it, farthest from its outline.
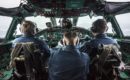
(99, 26)
(27, 27)
(70, 36)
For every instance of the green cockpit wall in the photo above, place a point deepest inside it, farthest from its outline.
(65, 9)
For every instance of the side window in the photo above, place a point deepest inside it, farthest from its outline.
(124, 23)
(4, 25)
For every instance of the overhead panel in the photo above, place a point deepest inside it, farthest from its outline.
(48, 3)
(62, 8)
(58, 3)
(74, 4)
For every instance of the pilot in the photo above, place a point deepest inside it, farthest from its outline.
(66, 23)
(99, 28)
(68, 63)
(28, 29)
(49, 25)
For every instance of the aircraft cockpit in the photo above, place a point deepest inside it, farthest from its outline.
(42, 11)
(50, 17)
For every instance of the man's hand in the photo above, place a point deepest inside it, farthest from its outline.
(122, 66)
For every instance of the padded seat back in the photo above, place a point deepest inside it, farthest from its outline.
(27, 59)
(102, 65)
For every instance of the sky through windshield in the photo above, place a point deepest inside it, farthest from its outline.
(5, 21)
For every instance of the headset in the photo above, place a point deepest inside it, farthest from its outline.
(94, 29)
(67, 21)
(97, 29)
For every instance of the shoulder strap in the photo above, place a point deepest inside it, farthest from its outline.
(33, 61)
(101, 60)
(15, 53)
(106, 51)
(29, 65)
(117, 52)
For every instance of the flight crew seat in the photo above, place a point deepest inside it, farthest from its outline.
(26, 59)
(104, 64)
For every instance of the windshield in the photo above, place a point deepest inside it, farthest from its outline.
(59, 20)
(124, 23)
(5, 21)
(39, 20)
(86, 22)
(9, 3)
(4, 25)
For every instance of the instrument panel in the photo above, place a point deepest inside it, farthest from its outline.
(53, 35)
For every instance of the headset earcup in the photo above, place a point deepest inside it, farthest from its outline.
(107, 28)
(21, 30)
(77, 41)
(64, 42)
(94, 29)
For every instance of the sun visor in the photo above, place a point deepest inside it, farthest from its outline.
(9, 11)
(115, 7)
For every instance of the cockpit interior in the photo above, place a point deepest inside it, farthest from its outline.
(49, 15)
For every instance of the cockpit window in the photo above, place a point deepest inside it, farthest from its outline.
(4, 25)
(9, 3)
(86, 22)
(124, 23)
(110, 29)
(39, 20)
(59, 20)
